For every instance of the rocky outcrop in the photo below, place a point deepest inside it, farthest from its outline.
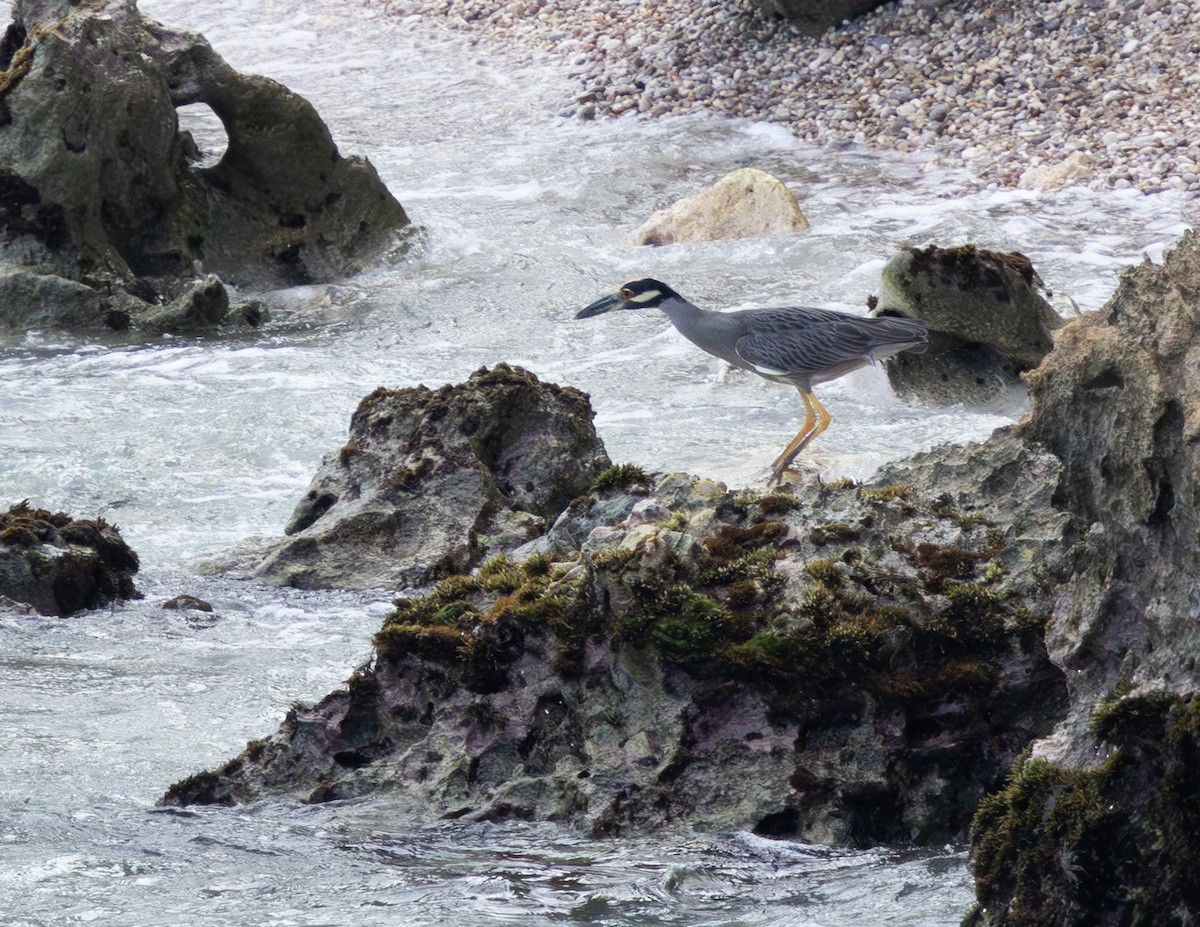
(854, 664)
(1115, 843)
(747, 203)
(988, 322)
(57, 564)
(815, 16)
(432, 481)
(1118, 403)
(100, 208)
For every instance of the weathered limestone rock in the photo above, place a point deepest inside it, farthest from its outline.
(432, 480)
(816, 16)
(988, 322)
(97, 193)
(1118, 403)
(58, 565)
(852, 664)
(747, 203)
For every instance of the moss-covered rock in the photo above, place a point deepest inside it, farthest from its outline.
(988, 321)
(58, 564)
(1118, 843)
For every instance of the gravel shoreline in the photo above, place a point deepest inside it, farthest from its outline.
(995, 87)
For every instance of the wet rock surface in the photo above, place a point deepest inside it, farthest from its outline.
(57, 565)
(431, 481)
(104, 217)
(989, 322)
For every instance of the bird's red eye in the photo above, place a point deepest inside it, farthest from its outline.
(626, 293)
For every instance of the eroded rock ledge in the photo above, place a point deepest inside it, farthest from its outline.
(851, 663)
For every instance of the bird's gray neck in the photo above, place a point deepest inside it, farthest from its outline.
(714, 332)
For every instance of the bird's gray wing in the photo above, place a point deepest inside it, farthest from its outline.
(807, 341)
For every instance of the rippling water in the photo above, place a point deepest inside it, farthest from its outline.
(191, 444)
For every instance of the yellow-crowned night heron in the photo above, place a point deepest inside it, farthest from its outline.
(791, 344)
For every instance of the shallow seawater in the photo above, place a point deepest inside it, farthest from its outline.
(192, 444)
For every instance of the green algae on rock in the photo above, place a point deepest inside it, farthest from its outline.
(1118, 843)
(710, 667)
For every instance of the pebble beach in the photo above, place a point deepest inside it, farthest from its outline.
(1104, 93)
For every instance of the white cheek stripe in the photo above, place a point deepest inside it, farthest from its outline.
(644, 297)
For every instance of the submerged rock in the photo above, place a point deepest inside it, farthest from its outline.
(431, 481)
(57, 564)
(747, 203)
(988, 322)
(855, 664)
(101, 209)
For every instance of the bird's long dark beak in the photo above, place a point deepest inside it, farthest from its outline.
(599, 307)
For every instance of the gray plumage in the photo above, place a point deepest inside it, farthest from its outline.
(797, 345)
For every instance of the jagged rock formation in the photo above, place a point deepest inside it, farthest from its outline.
(988, 322)
(746, 203)
(431, 481)
(855, 664)
(57, 564)
(100, 209)
(1118, 403)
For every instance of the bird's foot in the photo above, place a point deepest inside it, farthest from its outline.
(784, 475)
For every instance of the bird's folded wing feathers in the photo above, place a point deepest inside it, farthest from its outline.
(806, 340)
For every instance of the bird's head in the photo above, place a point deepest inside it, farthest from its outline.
(642, 293)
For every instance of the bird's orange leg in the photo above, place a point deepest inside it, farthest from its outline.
(816, 420)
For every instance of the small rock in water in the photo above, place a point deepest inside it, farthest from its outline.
(746, 203)
(187, 603)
